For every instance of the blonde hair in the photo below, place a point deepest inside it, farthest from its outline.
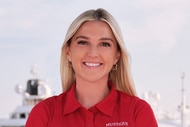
(121, 77)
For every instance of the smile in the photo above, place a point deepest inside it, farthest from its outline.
(92, 64)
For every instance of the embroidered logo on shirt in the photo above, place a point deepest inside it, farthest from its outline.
(117, 124)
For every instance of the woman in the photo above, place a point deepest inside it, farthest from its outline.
(97, 88)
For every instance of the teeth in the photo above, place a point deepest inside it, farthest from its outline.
(92, 64)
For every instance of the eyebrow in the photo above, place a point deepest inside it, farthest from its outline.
(84, 37)
(102, 39)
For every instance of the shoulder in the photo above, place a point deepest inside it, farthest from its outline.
(136, 105)
(47, 106)
(133, 100)
(51, 101)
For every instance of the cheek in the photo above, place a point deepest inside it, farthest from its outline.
(113, 56)
(72, 54)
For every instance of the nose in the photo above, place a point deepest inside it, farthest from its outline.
(93, 51)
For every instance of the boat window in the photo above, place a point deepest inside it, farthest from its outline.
(22, 115)
(32, 87)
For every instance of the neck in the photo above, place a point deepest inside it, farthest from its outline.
(88, 94)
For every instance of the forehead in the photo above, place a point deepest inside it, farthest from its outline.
(95, 28)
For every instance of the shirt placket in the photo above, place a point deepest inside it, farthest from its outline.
(89, 119)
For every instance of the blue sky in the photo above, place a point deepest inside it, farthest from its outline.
(156, 34)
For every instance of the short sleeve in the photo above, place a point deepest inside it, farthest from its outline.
(144, 116)
(40, 114)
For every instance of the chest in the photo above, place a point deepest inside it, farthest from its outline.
(95, 118)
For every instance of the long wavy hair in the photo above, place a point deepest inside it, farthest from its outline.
(121, 77)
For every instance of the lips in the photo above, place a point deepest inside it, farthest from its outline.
(92, 64)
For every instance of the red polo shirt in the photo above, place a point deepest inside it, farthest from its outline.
(118, 109)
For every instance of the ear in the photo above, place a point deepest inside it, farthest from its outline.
(68, 53)
(117, 56)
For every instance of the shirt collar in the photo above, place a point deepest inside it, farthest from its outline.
(106, 106)
(71, 102)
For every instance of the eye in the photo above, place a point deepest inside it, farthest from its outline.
(105, 44)
(82, 43)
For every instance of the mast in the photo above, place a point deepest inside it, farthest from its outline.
(34, 72)
(183, 104)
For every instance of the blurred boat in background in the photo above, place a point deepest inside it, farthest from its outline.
(179, 118)
(36, 91)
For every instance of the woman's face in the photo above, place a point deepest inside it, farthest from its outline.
(93, 51)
